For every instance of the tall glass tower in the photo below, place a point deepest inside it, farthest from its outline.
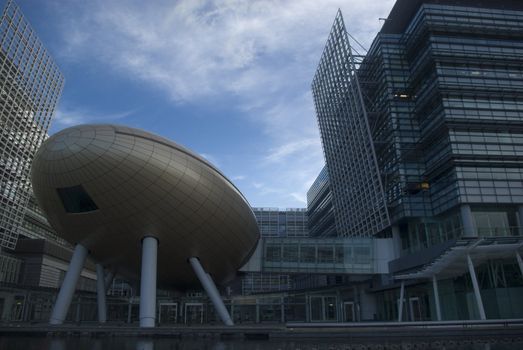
(30, 86)
(422, 134)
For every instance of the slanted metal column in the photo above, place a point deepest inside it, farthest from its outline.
(148, 282)
(469, 227)
(63, 301)
(477, 294)
(100, 294)
(520, 214)
(402, 296)
(520, 262)
(211, 290)
(436, 297)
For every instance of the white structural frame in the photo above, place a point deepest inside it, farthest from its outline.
(436, 297)
(400, 306)
(148, 282)
(65, 296)
(477, 293)
(101, 294)
(520, 262)
(211, 290)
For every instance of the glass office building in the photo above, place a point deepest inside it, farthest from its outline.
(436, 114)
(319, 207)
(273, 223)
(423, 141)
(31, 85)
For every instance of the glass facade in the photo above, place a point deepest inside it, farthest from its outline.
(320, 208)
(440, 95)
(30, 86)
(320, 255)
(274, 222)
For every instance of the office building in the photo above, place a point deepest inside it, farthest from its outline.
(31, 85)
(320, 209)
(422, 138)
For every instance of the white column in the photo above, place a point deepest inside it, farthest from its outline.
(211, 290)
(520, 262)
(436, 297)
(396, 241)
(108, 280)
(63, 301)
(100, 294)
(469, 227)
(520, 214)
(148, 282)
(477, 294)
(402, 296)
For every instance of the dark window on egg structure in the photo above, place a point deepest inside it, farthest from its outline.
(76, 200)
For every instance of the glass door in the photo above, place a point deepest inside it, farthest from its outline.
(193, 313)
(348, 312)
(168, 313)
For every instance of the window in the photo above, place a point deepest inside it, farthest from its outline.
(76, 200)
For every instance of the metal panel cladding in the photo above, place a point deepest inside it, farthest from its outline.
(30, 86)
(359, 200)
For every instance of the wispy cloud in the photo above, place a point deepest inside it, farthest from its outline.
(238, 178)
(210, 158)
(260, 54)
(65, 117)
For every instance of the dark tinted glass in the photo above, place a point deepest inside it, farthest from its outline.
(76, 200)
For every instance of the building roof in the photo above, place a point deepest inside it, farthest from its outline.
(404, 10)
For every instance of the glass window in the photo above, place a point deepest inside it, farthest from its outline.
(76, 200)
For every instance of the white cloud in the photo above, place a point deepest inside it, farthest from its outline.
(238, 178)
(212, 159)
(65, 117)
(263, 54)
(284, 151)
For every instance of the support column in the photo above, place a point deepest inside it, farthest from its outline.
(63, 301)
(211, 290)
(396, 241)
(436, 297)
(520, 215)
(100, 294)
(108, 280)
(402, 296)
(477, 294)
(148, 282)
(520, 262)
(469, 227)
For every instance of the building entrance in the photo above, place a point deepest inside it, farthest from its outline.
(348, 312)
(193, 313)
(323, 308)
(168, 313)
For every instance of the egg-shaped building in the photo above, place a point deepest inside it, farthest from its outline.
(113, 190)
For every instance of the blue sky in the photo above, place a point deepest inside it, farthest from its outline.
(227, 79)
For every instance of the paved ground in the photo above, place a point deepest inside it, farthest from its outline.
(405, 331)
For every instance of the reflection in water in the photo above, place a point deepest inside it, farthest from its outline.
(145, 344)
(219, 346)
(57, 344)
(114, 343)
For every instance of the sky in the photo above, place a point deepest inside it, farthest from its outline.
(227, 79)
